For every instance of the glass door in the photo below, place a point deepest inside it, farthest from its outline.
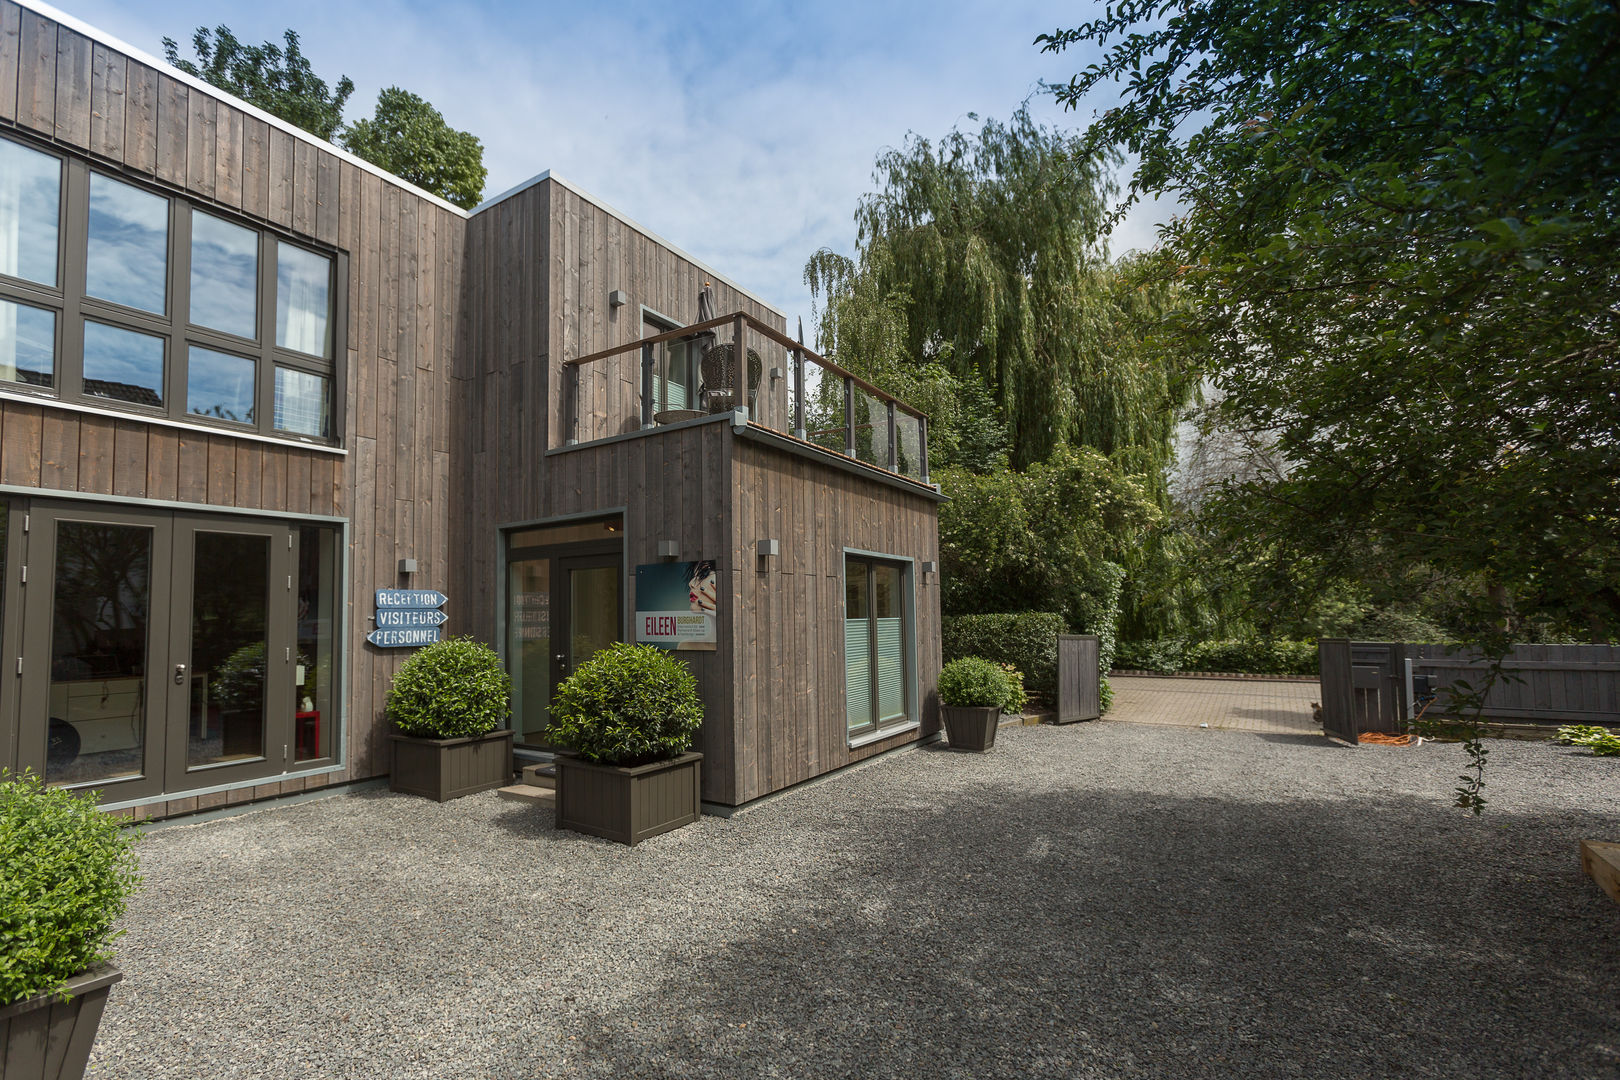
(528, 647)
(593, 612)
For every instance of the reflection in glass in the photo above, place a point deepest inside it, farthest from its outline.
(101, 609)
(220, 385)
(303, 301)
(593, 612)
(129, 245)
(30, 202)
(302, 404)
(230, 605)
(27, 344)
(314, 676)
(528, 646)
(224, 275)
(889, 629)
(857, 645)
(123, 364)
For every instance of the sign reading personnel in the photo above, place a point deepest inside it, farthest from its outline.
(408, 618)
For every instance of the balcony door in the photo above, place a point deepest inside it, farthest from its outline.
(157, 649)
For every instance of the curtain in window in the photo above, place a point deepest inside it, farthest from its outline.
(891, 670)
(858, 670)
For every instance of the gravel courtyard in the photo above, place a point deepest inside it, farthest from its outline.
(1104, 900)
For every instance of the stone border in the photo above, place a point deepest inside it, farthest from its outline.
(1215, 675)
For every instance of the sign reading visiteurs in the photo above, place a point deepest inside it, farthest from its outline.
(675, 604)
(408, 618)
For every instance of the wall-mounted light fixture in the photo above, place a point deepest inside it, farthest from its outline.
(768, 550)
(669, 549)
(618, 298)
(930, 567)
(407, 567)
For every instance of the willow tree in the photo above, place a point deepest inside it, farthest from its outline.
(980, 256)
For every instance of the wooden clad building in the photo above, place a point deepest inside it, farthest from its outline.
(247, 379)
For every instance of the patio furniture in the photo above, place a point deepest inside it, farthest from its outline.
(717, 372)
(675, 416)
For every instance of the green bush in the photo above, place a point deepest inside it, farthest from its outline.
(453, 689)
(1249, 656)
(1026, 640)
(66, 872)
(1165, 656)
(1600, 740)
(974, 682)
(627, 705)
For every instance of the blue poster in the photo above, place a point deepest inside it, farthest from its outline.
(675, 604)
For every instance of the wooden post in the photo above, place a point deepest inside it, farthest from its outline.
(894, 452)
(647, 402)
(922, 444)
(739, 358)
(798, 393)
(849, 416)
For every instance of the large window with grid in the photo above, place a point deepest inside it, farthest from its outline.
(113, 294)
(877, 643)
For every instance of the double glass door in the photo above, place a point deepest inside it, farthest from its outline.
(563, 606)
(159, 652)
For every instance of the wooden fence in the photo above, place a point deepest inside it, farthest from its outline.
(1078, 691)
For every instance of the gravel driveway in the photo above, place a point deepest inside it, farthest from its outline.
(1104, 900)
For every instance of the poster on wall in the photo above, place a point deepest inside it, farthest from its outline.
(675, 604)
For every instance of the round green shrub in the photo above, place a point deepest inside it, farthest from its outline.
(627, 705)
(66, 872)
(453, 689)
(972, 681)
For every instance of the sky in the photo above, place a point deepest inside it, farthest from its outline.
(742, 133)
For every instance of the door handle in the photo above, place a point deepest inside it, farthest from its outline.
(179, 674)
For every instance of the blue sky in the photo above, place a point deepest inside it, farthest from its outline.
(742, 133)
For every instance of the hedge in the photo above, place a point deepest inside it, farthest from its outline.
(1279, 656)
(1027, 640)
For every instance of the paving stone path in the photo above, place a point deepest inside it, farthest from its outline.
(1260, 705)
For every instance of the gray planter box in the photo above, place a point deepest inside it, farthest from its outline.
(627, 804)
(971, 727)
(45, 1038)
(445, 769)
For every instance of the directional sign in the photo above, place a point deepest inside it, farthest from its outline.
(404, 617)
(410, 598)
(411, 636)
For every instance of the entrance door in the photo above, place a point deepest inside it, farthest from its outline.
(156, 650)
(564, 603)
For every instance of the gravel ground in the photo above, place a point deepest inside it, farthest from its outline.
(1104, 900)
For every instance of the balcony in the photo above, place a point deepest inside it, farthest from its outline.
(689, 375)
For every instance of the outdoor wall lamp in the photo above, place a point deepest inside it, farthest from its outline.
(618, 298)
(669, 549)
(768, 550)
(407, 567)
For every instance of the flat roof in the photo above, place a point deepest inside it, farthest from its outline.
(95, 34)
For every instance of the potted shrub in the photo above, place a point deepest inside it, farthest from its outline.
(66, 872)
(451, 702)
(972, 694)
(627, 717)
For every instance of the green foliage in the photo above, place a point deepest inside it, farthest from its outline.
(1413, 290)
(456, 688)
(66, 872)
(1247, 656)
(1601, 741)
(972, 681)
(1017, 697)
(408, 137)
(627, 705)
(1026, 641)
(279, 81)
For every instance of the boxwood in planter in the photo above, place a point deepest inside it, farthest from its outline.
(451, 702)
(66, 873)
(973, 692)
(628, 716)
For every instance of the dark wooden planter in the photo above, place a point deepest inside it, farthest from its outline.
(971, 727)
(444, 769)
(45, 1038)
(627, 804)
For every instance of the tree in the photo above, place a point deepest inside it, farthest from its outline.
(1401, 246)
(408, 137)
(279, 81)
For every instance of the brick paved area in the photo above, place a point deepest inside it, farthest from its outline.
(1257, 705)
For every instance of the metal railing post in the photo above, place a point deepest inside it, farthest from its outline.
(739, 358)
(922, 444)
(798, 393)
(894, 454)
(647, 386)
(849, 416)
(573, 403)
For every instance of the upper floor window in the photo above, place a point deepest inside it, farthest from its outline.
(110, 292)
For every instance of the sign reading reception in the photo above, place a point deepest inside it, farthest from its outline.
(408, 618)
(675, 604)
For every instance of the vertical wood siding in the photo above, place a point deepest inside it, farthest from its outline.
(404, 293)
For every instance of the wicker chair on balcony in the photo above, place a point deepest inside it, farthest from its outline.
(716, 371)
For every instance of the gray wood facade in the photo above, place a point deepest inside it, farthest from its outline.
(451, 416)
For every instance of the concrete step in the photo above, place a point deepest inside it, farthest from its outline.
(543, 775)
(528, 793)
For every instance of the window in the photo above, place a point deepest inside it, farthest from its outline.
(877, 643)
(113, 293)
(673, 364)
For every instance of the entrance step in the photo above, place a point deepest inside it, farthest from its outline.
(528, 793)
(542, 776)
